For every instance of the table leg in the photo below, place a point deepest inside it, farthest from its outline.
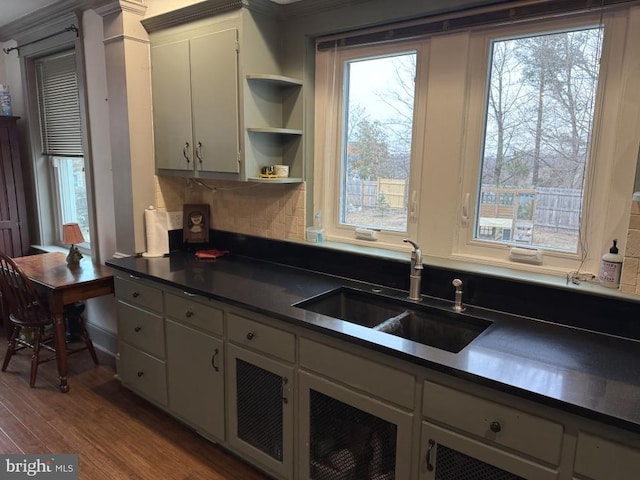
(57, 309)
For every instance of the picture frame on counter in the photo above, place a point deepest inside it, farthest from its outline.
(196, 223)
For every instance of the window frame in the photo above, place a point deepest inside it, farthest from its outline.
(46, 223)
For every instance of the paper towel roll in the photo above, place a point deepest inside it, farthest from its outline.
(155, 224)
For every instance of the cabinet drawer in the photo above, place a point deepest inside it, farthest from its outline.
(261, 337)
(137, 293)
(142, 329)
(369, 376)
(143, 373)
(189, 310)
(503, 425)
(602, 459)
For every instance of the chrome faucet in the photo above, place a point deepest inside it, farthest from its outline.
(416, 271)
(457, 306)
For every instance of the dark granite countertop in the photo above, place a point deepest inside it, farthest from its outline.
(589, 374)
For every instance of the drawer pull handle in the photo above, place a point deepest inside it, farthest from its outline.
(140, 373)
(135, 294)
(250, 335)
(189, 313)
(495, 427)
(137, 329)
(213, 360)
(432, 443)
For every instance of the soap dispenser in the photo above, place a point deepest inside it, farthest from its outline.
(611, 267)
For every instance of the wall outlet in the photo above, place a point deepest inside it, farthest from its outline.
(174, 220)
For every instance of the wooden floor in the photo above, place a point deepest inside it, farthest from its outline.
(116, 434)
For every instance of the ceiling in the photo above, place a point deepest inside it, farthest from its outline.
(16, 9)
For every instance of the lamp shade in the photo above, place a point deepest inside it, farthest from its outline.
(71, 234)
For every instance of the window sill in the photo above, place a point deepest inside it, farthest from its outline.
(517, 273)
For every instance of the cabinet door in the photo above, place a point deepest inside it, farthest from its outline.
(261, 407)
(171, 83)
(195, 374)
(214, 83)
(13, 211)
(446, 455)
(344, 434)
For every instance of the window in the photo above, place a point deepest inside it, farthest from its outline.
(375, 175)
(376, 141)
(538, 128)
(517, 135)
(61, 139)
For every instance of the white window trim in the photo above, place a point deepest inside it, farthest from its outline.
(448, 134)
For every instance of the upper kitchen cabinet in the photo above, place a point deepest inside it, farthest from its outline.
(222, 108)
(195, 104)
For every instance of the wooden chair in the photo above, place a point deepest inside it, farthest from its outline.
(26, 309)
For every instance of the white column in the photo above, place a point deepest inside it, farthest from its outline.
(127, 58)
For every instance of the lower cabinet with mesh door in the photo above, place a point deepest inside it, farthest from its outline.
(260, 388)
(466, 436)
(355, 417)
(347, 435)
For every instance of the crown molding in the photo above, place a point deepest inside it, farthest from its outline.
(137, 7)
(208, 8)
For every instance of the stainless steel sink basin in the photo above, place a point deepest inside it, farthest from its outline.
(353, 306)
(440, 329)
(436, 327)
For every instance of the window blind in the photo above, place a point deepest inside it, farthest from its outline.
(58, 103)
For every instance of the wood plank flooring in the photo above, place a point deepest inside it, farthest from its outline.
(116, 434)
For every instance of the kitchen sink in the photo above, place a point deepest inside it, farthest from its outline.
(435, 327)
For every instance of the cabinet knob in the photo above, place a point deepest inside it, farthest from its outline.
(137, 329)
(140, 373)
(135, 294)
(189, 313)
(495, 427)
(250, 335)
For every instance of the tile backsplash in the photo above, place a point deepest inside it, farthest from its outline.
(275, 211)
(630, 280)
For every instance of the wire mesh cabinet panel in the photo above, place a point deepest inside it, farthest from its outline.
(260, 400)
(446, 455)
(345, 435)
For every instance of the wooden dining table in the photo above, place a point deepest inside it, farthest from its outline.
(64, 285)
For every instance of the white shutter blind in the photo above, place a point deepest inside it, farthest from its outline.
(59, 105)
